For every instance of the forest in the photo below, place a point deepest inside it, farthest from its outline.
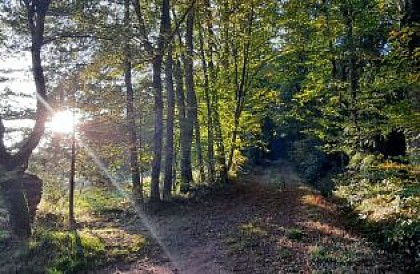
(209, 136)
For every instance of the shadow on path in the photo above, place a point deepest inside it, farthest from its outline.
(267, 222)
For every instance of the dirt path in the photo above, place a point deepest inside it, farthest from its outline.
(270, 222)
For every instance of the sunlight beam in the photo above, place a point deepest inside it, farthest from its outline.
(148, 223)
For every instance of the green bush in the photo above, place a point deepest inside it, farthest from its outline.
(405, 235)
(387, 201)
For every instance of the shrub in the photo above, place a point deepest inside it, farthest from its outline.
(387, 199)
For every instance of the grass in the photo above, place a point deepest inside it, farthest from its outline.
(248, 236)
(76, 251)
(65, 251)
(295, 234)
(251, 229)
(330, 254)
(318, 253)
(102, 238)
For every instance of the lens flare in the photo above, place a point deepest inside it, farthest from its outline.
(63, 122)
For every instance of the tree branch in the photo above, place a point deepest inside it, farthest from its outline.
(65, 35)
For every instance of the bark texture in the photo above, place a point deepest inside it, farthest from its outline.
(22, 193)
(158, 108)
(169, 156)
(131, 122)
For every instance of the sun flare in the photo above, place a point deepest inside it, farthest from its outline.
(63, 121)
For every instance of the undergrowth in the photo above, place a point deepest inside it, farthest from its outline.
(386, 200)
(99, 240)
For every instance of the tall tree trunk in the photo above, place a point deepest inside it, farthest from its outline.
(158, 134)
(20, 193)
(72, 220)
(191, 100)
(198, 147)
(352, 73)
(410, 19)
(210, 137)
(185, 145)
(4, 155)
(241, 85)
(175, 163)
(185, 125)
(36, 12)
(167, 184)
(214, 97)
(220, 146)
(131, 123)
(140, 151)
(158, 108)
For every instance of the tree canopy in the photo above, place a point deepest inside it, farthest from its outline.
(173, 97)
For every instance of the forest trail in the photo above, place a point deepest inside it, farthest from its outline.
(269, 222)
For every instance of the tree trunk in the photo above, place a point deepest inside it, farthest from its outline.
(72, 220)
(131, 123)
(22, 208)
(352, 73)
(214, 98)
(198, 147)
(167, 184)
(410, 19)
(241, 86)
(22, 193)
(185, 157)
(210, 137)
(191, 100)
(158, 108)
(36, 12)
(220, 146)
(158, 134)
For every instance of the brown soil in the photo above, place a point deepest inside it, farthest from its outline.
(267, 222)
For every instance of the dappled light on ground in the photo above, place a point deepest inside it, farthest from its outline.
(263, 228)
(250, 227)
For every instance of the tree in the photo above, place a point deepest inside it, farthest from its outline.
(169, 146)
(35, 12)
(132, 146)
(157, 58)
(191, 99)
